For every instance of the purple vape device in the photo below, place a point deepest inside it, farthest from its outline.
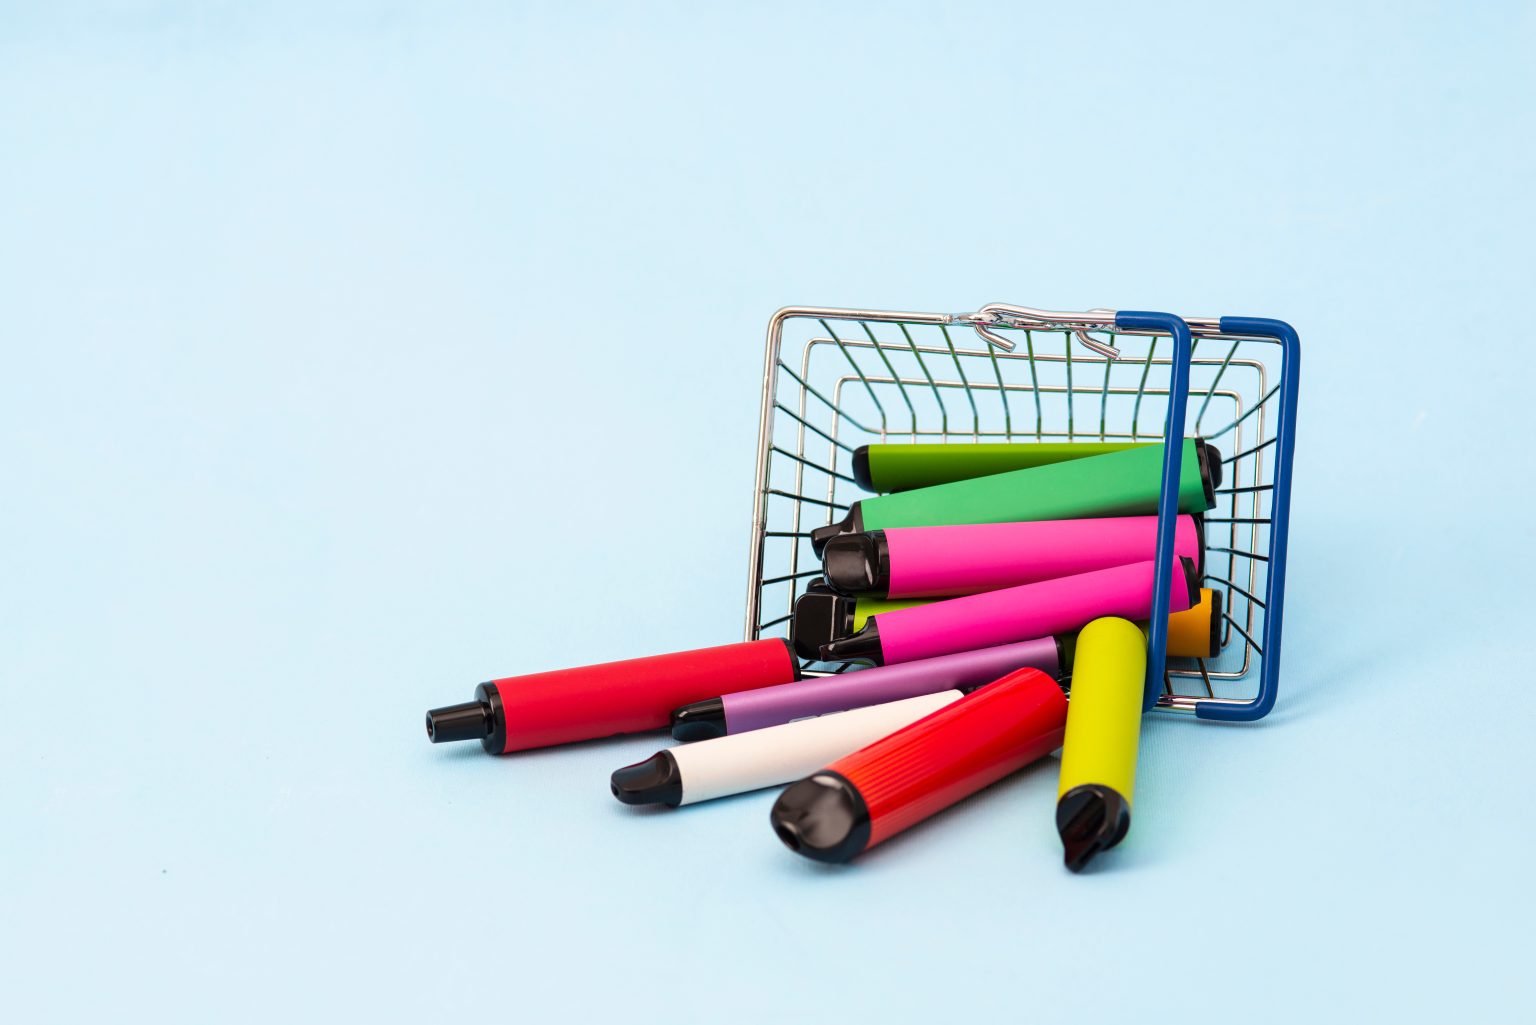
(773, 706)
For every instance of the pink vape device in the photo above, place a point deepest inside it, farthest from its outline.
(1013, 614)
(936, 562)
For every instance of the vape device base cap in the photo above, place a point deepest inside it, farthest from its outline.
(1090, 818)
(819, 616)
(702, 720)
(822, 817)
(861, 475)
(1210, 469)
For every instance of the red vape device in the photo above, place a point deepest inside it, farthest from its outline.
(894, 783)
(541, 709)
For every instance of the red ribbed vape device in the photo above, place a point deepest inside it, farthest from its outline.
(894, 783)
(541, 709)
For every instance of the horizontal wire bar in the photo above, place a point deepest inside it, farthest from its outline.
(1245, 490)
(1236, 551)
(1040, 356)
(811, 463)
(796, 576)
(1262, 445)
(786, 533)
(879, 406)
(1251, 642)
(802, 498)
(1249, 412)
(825, 401)
(1236, 519)
(1239, 590)
(772, 623)
(800, 419)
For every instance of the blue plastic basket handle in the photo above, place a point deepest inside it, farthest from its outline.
(1168, 501)
(1280, 519)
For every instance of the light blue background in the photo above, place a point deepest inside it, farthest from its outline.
(347, 346)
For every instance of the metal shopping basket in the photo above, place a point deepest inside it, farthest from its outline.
(835, 379)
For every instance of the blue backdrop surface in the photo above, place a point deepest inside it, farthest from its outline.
(347, 346)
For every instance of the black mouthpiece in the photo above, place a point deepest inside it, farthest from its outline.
(702, 720)
(1090, 818)
(1191, 580)
(1209, 458)
(1068, 650)
(820, 615)
(863, 646)
(1199, 519)
(1215, 648)
(822, 817)
(858, 564)
(653, 781)
(849, 524)
(473, 720)
(861, 475)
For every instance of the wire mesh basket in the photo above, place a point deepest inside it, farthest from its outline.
(835, 379)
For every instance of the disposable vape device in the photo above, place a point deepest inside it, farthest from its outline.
(1013, 613)
(541, 709)
(1098, 753)
(821, 614)
(764, 758)
(759, 709)
(1114, 484)
(873, 794)
(1195, 632)
(886, 468)
(929, 562)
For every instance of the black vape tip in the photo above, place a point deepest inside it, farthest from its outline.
(1209, 458)
(653, 781)
(702, 720)
(861, 475)
(849, 524)
(1090, 818)
(1199, 519)
(858, 564)
(823, 817)
(1191, 580)
(1215, 648)
(473, 720)
(819, 616)
(863, 646)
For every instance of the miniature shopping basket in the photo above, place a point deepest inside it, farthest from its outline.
(835, 379)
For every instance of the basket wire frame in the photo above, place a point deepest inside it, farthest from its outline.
(838, 379)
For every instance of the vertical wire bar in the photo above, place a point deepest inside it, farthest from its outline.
(1141, 389)
(1066, 337)
(879, 407)
(969, 397)
(1002, 390)
(943, 410)
(1104, 395)
(802, 424)
(1215, 381)
(1034, 383)
(880, 351)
